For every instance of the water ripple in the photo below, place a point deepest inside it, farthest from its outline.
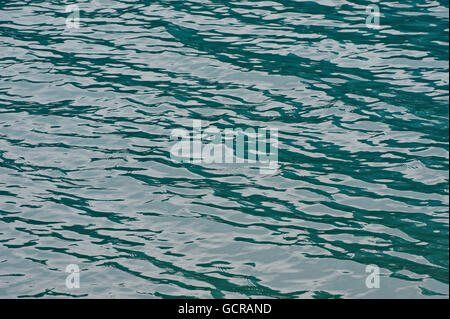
(86, 176)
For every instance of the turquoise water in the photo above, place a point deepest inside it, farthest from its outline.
(86, 176)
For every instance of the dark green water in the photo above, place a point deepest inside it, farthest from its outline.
(86, 176)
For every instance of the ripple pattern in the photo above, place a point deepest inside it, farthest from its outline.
(86, 176)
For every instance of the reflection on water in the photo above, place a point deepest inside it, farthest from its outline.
(86, 177)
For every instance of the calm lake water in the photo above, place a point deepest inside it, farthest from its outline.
(87, 178)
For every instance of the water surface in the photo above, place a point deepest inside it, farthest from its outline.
(86, 176)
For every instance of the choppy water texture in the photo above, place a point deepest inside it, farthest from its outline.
(86, 176)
